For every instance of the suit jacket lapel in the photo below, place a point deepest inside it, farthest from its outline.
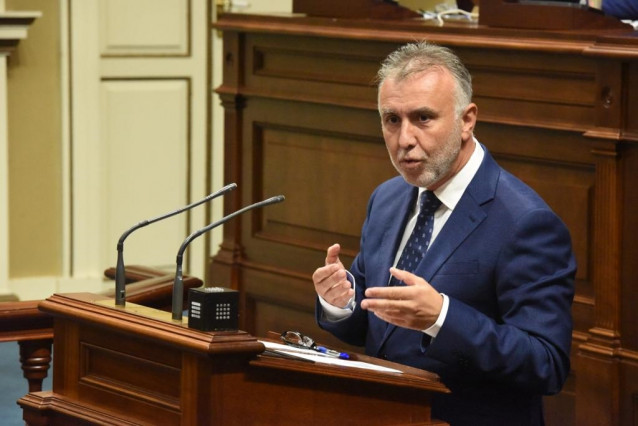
(467, 215)
(404, 202)
(464, 219)
(394, 230)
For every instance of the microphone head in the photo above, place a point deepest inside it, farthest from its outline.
(277, 199)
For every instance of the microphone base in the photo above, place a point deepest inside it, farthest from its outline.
(213, 309)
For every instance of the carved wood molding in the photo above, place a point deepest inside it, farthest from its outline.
(607, 240)
(88, 308)
(13, 28)
(458, 34)
(38, 406)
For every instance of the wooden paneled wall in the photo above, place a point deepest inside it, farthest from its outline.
(559, 110)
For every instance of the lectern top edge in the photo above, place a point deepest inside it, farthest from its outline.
(102, 312)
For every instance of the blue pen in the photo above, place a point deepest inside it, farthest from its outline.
(331, 352)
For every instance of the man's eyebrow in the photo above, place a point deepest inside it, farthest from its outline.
(417, 111)
(423, 110)
(386, 111)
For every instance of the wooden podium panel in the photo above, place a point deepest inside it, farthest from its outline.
(136, 366)
(379, 9)
(558, 108)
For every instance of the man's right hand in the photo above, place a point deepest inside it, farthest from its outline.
(330, 280)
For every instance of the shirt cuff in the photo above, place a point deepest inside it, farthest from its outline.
(433, 330)
(333, 313)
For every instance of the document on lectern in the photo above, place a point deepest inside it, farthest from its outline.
(320, 358)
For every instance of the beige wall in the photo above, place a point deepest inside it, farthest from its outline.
(35, 159)
(45, 218)
(266, 5)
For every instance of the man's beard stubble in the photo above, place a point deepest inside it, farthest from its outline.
(437, 165)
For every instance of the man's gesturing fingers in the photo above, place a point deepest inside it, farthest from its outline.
(332, 254)
(408, 278)
(397, 292)
(331, 284)
(415, 305)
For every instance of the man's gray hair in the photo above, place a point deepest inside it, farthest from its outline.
(414, 58)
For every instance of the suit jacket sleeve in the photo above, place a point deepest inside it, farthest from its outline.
(528, 344)
(353, 329)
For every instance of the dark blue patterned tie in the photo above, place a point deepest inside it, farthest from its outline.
(419, 240)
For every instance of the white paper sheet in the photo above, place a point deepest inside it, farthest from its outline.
(318, 357)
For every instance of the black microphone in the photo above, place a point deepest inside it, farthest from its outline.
(178, 285)
(120, 284)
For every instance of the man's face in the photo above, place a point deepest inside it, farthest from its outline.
(426, 138)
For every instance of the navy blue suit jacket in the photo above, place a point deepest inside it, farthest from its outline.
(505, 261)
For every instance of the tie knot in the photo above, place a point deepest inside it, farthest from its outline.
(428, 203)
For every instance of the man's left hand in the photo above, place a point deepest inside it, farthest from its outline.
(416, 305)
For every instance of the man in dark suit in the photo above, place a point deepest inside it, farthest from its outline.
(478, 287)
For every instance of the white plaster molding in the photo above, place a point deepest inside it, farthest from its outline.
(14, 26)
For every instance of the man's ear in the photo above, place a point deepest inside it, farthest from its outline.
(469, 120)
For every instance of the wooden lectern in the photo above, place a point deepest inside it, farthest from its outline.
(133, 365)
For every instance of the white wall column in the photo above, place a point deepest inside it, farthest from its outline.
(13, 28)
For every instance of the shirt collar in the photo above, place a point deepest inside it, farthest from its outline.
(451, 191)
